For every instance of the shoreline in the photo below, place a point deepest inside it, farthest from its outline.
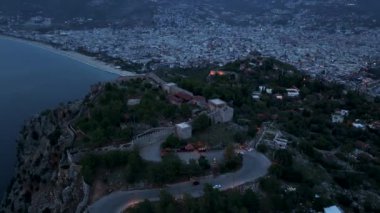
(90, 61)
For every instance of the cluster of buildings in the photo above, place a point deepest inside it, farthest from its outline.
(216, 109)
(272, 137)
(366, 80)
(290, 93)
(340, 116)
(185, 35)
(279, 142)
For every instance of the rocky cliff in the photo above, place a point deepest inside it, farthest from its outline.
(46, 180)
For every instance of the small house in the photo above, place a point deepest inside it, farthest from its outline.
(189, 148)
(359, 124)
(280, 143)
(133, 102)
(256, 96)
(169, 87)
(375, 126)
(200, 146)
(220, 111)
(215, 104)
(262, 88)
(184, 96)
(343, 112)
(293, 92)
(174, 100)
(332, 209)
(339, 115)
(279, 97)
(183, 131)
(337, 118)
(199, 101)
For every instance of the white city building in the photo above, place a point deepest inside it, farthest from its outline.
(220, 111)
(183, 131)
(293, 92)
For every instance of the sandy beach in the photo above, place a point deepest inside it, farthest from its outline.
(73, 55)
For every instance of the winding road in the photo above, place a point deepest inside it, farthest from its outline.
(255, 165)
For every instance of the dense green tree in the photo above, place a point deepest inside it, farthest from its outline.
(189, 204)
(203, 163)
(185, 111)
(262, 148)
(283, 157)
(251, 201)
(252, 131)
(89, 165)
(240, 137)
(172, 168)
(232, 160)
(201, 123)
(169, 111)
(172, 142)
(135, 167)
(193, 169)
(276, 170)
(229, 153)
(211, 201)
(270, 185)
(166, 201)
(144, 207)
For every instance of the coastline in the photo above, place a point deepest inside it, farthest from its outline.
(72, 55)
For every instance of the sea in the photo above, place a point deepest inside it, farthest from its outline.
(33, 79)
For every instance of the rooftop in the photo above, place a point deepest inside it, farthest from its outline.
(184, 96)
(217, 102)
(183, 125)
(171, 84)
(332, 209)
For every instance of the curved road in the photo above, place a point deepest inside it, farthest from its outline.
(255, 165)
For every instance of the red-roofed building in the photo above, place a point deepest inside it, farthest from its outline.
(199, 101)
(174, 100)
(189, 147)
(200, 146)
(184, 96)
(180, 98)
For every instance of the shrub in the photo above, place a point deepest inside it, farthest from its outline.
(262, 148)
(201, 123)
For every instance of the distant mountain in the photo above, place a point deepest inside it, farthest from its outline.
(125, 12)
(62, 10)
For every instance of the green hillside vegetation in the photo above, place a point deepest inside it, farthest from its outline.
(325, 164)
(136, 170)
(102, 120)
(212, 201)
(337, 162)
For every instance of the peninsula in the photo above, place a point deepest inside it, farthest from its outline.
(256, 126)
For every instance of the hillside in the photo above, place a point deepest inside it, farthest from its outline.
(110, 11)
(321, 143)
(132, 12)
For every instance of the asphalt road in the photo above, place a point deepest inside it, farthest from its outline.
(255, 165)
(152, 151)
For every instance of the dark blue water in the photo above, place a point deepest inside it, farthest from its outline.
(31, 80)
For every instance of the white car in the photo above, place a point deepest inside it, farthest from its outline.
(217, 186)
